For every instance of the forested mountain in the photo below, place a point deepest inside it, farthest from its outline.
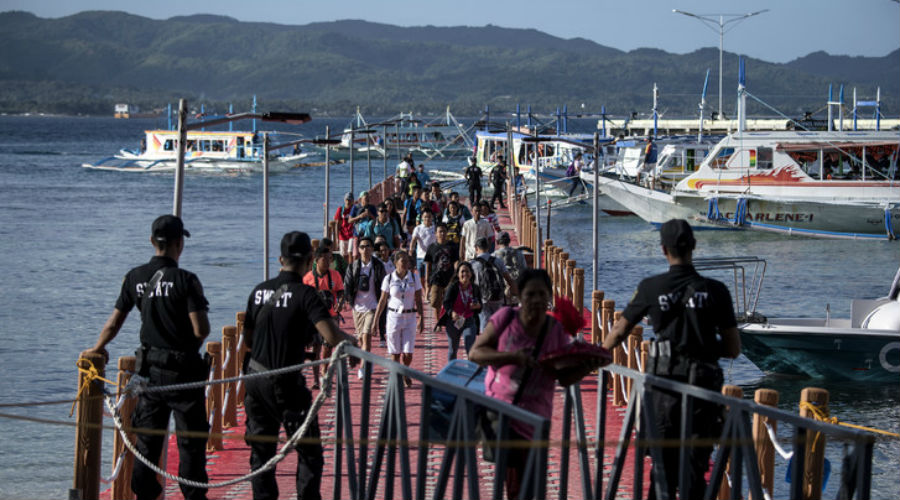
(86, 62)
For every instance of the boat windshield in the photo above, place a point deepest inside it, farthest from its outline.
(845, 162)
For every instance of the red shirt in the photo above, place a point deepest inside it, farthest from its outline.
(322, 282)
(345, 228)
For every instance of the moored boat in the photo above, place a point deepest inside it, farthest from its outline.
(205, 151)
(824, 184)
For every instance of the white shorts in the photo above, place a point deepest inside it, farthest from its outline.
(400, 332)
(345, 247)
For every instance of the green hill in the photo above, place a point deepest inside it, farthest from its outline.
(86, 62)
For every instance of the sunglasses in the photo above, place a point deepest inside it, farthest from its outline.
(365, 246)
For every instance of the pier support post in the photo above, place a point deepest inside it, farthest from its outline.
(621, 359)
(814, 462)
(634, 351)
(596, 316)
(579, 290)
(765, 451)
(121, 485)
(724, 489)
(570, 280)
(89, 428)
(242, 351)
(214, 398)
(229, 369)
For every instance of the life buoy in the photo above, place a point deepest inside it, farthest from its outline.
(882, 357)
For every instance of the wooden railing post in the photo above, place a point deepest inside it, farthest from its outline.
(607, 308)
(724, 489)
(620, 359)
(579, 290)
(561, 259)
(634, 351)
(229, 370)
(814, 463)
(596, 316)
(121, 485)
(570, 279)
(89, 428)
(243, 351)
(214, 398)
(765, 450)
(645, 352)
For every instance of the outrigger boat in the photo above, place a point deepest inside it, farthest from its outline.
(403, 134)
(824, 184)
(864, 347)
(205, 151)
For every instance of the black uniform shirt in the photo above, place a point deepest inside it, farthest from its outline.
(165, 323)
(710, 309)
(280, 337)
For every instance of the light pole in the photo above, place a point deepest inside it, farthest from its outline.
(721, 23)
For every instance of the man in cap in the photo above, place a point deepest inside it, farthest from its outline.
(693, 320)
(283, 315)
(473, 181)
(362, 214)
(174, 324)
(345, 227)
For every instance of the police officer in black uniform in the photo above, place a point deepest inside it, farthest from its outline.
(173, 325)
(473, 180)
(498, 180)
(694, 323)
(283, 316)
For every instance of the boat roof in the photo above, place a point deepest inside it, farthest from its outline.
(210, 133)
(797, 136)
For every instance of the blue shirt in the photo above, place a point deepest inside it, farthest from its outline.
(376, 228)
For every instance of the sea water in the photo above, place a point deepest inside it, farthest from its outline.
(68, 235)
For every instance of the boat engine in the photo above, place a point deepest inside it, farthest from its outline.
(884, 317)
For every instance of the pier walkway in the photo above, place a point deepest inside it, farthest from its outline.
(383, 441)
(430, 356)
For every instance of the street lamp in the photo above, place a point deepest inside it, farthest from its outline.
(721, 22)
(184, 127)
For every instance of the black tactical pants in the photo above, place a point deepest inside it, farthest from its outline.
(270, 403)
(152, 412)
(498, 195)
(474, 195)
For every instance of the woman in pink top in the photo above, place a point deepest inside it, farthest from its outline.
(507, 346)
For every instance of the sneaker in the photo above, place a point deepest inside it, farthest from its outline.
(408, 381)
(359, 374)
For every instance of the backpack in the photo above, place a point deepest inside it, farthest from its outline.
(490, 282)
(511, 261)
(570, 172)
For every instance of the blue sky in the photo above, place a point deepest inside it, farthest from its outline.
(791, 28)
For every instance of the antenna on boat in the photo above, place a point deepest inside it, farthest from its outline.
(655, 111)
(518, 116)
(703, 105)
(603, 118)
(565, 118)
(742, 96)
(253, 110)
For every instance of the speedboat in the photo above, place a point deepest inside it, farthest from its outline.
(822, 184)
(863, 347)
(205, 151)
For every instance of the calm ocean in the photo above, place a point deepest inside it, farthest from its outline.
(68, 235)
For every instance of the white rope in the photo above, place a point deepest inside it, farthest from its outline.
(624, 392)
(289, 445)
(227, 359)
(212, 376)
(116, 470)
(225, 403)
(784, 454)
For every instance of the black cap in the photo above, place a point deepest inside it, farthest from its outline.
(295, 245)
(168, 227)
(677, 233)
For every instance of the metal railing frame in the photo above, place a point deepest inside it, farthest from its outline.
(459, 455)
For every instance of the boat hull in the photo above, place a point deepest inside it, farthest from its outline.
(822, 352)
(196, 165)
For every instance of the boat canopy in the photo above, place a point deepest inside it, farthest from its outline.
(806, 146)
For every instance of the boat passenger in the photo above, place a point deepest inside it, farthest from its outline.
(277, 337)
(345, 227)
(423, 176)
(422, 238)
(384, 226)
(454, 197)
(693, 320)
(401, 297)
(174, 324)
(440, 259)
(330, 286)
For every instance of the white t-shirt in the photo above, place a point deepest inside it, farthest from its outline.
(366, 301)
(473, 231)
(402, 291)
(423, 236)
(403, 170)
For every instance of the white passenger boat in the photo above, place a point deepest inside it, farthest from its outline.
(823, 184)
(863, 347)
(205, 151)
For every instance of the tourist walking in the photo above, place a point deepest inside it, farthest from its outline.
(401, 296)
(361, 284)
(461, 305)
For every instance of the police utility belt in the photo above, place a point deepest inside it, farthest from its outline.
(401, 311)
(664, 362)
